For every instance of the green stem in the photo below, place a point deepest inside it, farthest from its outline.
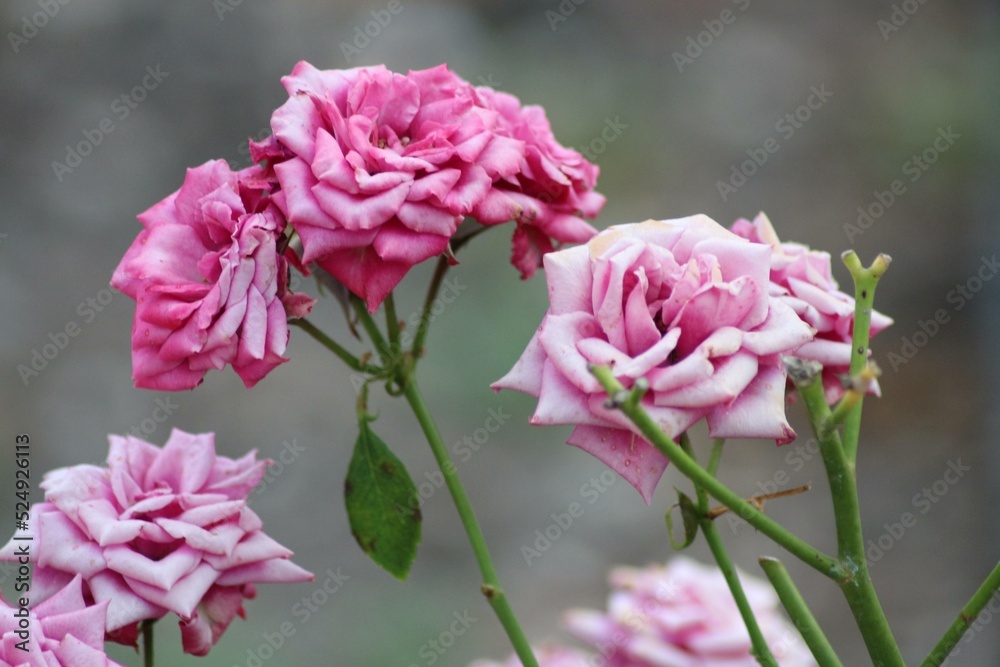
(491, 584)
(425, 315)
(865, 281)
(855, 583)
(968, 614)
(391, 321)
(799, 612)
(630, 404)
(371, 328)
(147, 642)
(353, 362)
(759, 648)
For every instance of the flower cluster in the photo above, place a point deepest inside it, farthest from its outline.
(682, 614)
(676, 615)
(367, 173)
(682, 303)
(157, 531)
(803, 279)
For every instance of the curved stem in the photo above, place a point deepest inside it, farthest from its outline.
(491, 584)
(799, 612)
(147, 642)
(968, 614)
(353, 362)
(759, 649)
(425, 315)
(371, 328)
(629, 403)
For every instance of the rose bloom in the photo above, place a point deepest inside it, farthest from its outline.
(682, 303)
(683, 615)
(550, 192)
(158, 530)
(210, 286)
(62, 631)
(802, 278)
(377, 169)
(550, 655)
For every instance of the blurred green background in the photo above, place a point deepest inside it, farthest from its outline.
(694, 92)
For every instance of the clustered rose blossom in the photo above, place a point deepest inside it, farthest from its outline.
(550, 192)
(62, 631)
(157, 531)
(803, 279)
(210, 286)
(684, 304)
(549, 655)
(375, 170)
(683, 615)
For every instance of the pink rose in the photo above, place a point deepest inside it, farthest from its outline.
(210, 286)
(802, 278)
(377, 169)
(548, 195)
(550, 655)
(683, 615)
(685, 305)
(158, 530)
(62, 631)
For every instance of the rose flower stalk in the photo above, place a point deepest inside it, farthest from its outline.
(157, 531)
(685, 305)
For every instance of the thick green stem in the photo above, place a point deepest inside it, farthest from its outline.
(491, 584)
(425, 315)
(968, 614)
(630, 404)
(865, 281)
(759, 648)
(353, 362)
(147, 642)
(855, 583)
(799, 612)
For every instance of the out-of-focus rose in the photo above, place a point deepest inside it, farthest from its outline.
(683, 615)
(158, 530)
(550, 194)
(62, 631)
(377, 169)
(802, 278)
(549, 655)
(683, 303)
(210, 286)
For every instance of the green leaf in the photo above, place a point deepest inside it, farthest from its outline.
(689, 516)
(382, 504)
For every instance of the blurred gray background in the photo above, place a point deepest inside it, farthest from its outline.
(695, 89)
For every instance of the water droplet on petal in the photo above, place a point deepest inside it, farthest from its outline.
(628, 462)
